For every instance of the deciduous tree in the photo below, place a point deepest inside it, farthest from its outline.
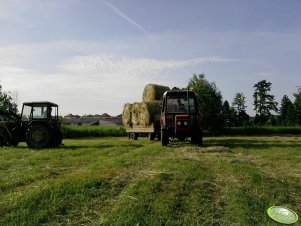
(239, 102)
(210, 101)
(6, 101)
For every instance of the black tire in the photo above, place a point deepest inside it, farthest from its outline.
(164, 138)
(38, 136)
(1, 142)
(197, 138)
(181, 138)
(14, 143)
(200, 140)
(133, 136)
(159, 136)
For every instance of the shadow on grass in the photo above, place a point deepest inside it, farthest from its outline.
(99, 146)
(76, 147)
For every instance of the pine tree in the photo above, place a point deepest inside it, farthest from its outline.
(287, 110)
(297, 104)
(264, 102)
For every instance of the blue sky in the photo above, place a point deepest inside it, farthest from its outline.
(92, 56)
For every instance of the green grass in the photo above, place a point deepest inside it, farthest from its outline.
(116, 181)
(256, 131)
(119, 131)
(92, 131)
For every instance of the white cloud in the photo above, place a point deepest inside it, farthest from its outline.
(95, 77)
(131, 66)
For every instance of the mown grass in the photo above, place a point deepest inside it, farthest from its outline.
(256, 131)
(116, 181)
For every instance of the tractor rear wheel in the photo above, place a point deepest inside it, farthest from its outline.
(38, 136)
(197, 138)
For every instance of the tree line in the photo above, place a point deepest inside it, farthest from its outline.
(216, 113)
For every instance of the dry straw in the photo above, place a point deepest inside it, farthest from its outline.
(147, 111)
(127, 114)
(135, 114)
(143, 113)
(153, 92)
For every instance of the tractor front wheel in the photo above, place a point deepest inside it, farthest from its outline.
(164, 138)
(37, 136)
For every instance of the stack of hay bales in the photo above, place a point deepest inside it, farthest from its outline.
(142, 113)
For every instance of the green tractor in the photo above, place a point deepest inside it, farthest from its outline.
(38, 126)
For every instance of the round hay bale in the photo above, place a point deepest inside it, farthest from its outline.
(135, 114)
(153, 92)
(127, 115)
(147, 110)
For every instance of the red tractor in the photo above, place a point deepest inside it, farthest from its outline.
(180, 117)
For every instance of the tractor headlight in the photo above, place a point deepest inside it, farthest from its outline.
(179, 123)
(185, 123)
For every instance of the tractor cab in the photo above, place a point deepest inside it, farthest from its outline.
(180, 117)
(39, 111)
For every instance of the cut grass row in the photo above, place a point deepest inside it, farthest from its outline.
(116, 181)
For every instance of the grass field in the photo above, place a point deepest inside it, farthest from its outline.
(116, 181)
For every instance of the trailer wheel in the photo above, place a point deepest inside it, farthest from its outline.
(133, 136)
(38, 137)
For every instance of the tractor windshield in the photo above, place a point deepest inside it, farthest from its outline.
(38, 111)
(180, 103)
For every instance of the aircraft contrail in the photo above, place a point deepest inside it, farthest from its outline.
(122, 15)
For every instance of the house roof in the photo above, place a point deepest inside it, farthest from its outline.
(104, 115)
(94, 120)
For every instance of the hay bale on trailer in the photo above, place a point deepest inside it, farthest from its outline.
(127, 115)
(153, 92)
(135, 114)
(147, 112)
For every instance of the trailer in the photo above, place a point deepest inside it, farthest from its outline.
(152, 131)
